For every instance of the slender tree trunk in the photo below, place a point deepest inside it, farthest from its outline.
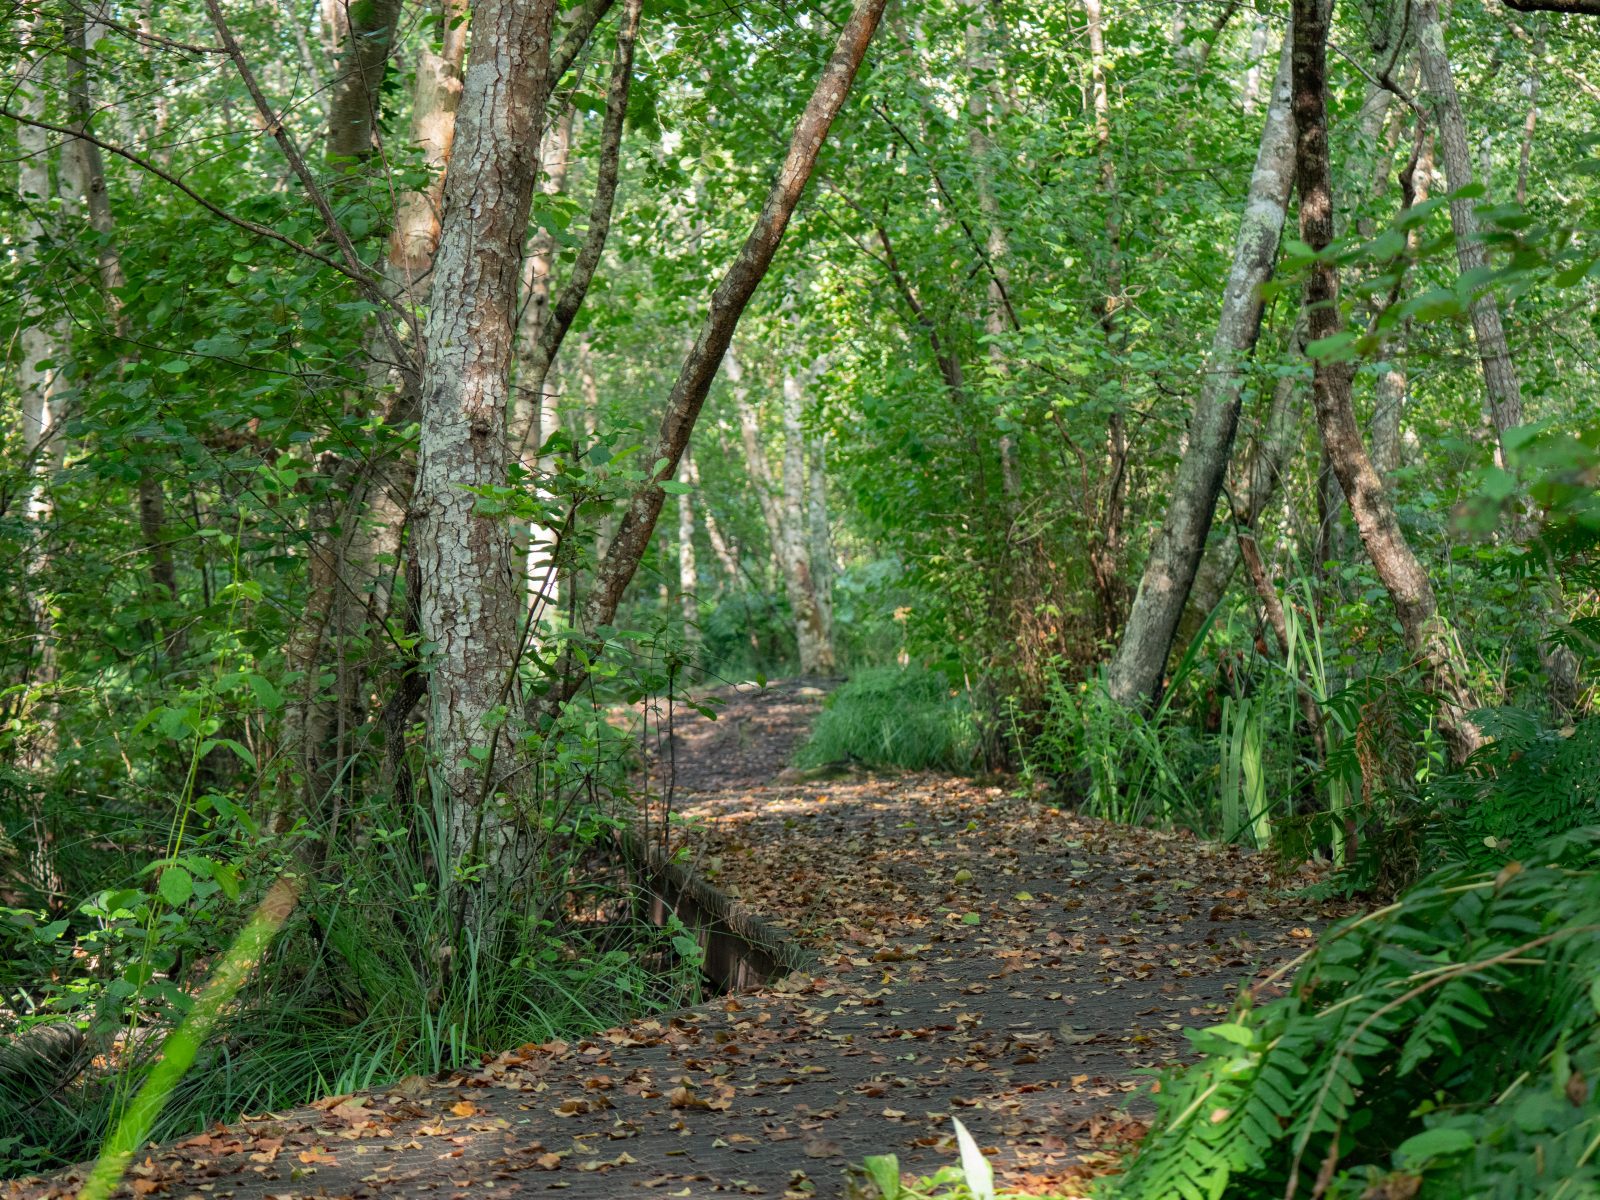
(1389, 402)
(366, 34)
(41, 346)
(1403, 577)
(727, 305)
(1136, 671)
(688, 572)
(1253, 74)
(719, 544)
(1258, 484)
(469, 603)
(1107, 551)
(89, 168)
(1530, 92)
(813, 630)
(1499, 374)
(820, 549)
(784, 510)
(980, 62)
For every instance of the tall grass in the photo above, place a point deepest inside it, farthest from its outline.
(1250, 772)
(908, 718)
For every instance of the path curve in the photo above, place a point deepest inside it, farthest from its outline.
(978, 953)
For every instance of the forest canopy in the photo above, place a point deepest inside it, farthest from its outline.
(1175, 411)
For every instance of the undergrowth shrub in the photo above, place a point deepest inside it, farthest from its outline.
(1443, 1046)
(909, 718)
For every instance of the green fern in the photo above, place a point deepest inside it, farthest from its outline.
(1449, 1040)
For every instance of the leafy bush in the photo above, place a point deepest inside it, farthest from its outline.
(1442, 1046)
(908, 718)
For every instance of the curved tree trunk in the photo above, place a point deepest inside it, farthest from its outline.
(1136, 671)
(1403, 577)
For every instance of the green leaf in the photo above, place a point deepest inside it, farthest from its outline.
(884, 1171)
(675, 488)
(176, 885)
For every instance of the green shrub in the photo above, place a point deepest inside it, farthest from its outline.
(908, 718)
(1442, 1046)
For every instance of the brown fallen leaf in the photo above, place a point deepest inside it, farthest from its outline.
(823, 1148)
(464, 1108)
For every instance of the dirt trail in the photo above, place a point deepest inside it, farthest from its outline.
(977, 954)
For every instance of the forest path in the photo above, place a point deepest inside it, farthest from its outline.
(976, 954)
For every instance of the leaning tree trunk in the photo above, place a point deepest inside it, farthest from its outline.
(1136, 672)
(1391, 555)
(728, 303)
(469, 602)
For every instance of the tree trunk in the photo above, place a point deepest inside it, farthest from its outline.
(786, 516)
(1107, 550)
(365, 34)
(1260, 479)
(688, 574)
(1403, 577)
(719, 544)
(1388, 407)
(727, 305)
(1499, 375)
(813, 629)
(1530, 92)
(41, 346)
(1499, 372)
(820, 548)
(1135, 673)
(469, 602)
(980, 61)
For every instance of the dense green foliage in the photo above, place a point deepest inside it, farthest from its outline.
(1448, 1039)
(941, 450)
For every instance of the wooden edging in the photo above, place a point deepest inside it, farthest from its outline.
(742, 949)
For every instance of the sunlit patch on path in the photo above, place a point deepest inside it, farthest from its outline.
(976, 953)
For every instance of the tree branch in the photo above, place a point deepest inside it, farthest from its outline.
(576, 288)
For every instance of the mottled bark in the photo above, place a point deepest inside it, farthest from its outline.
(469, 602)
(1136, 671)
(366, 34)
(1403, 577)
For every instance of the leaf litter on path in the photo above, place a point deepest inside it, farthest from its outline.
(978, 953)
